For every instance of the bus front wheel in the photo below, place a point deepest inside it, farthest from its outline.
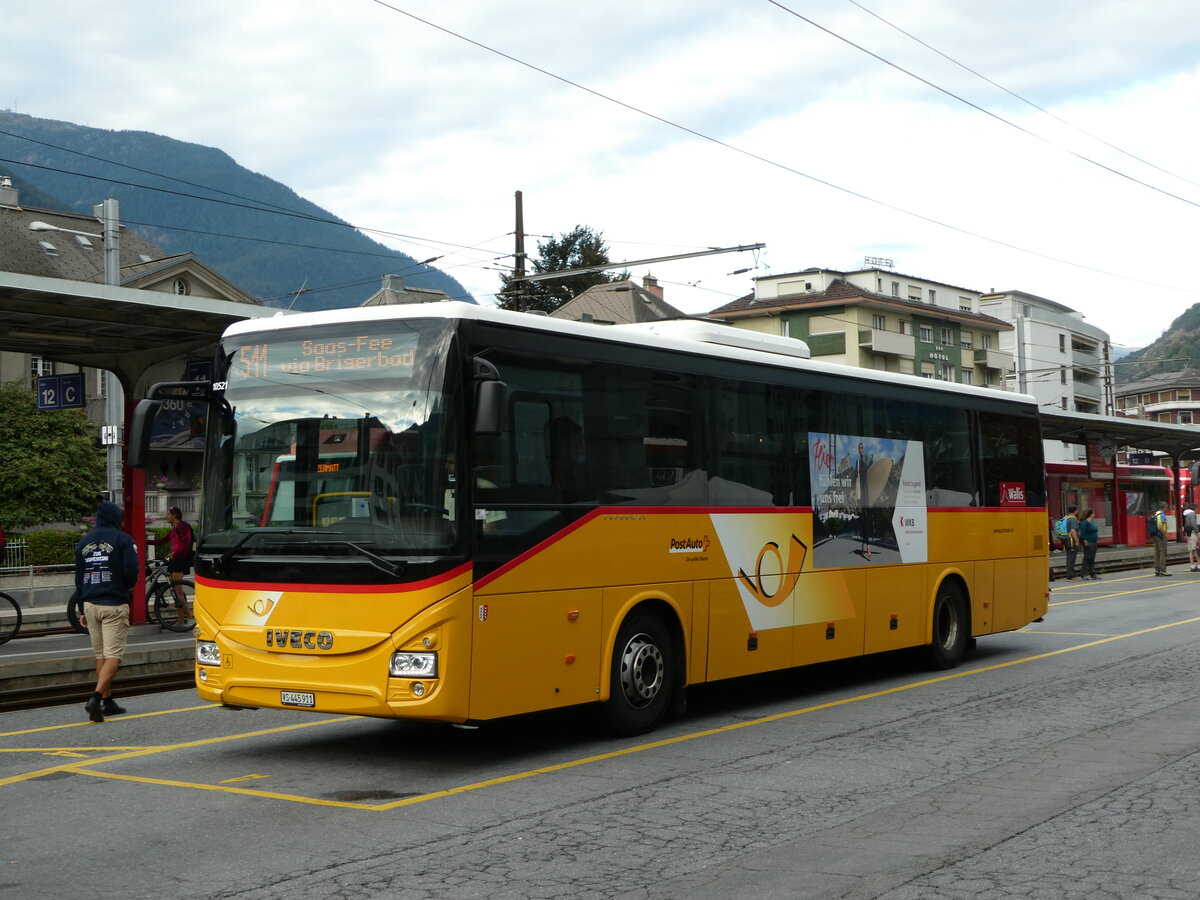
(641, 677)
(950, 627)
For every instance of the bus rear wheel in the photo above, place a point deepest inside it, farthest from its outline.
(641, 677)
(950, 627)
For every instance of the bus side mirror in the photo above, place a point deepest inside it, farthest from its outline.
(489, 404)
(141, 425)
(489, 397)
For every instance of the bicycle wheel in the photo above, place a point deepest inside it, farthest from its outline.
(10, 618)
(152, 589)
(73, 614)
(166, 606)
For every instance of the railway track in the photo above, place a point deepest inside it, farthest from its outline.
(79, 691)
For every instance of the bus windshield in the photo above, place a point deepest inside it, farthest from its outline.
(333, 442)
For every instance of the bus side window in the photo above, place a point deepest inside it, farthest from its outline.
(531, 421)
(1009, 454)
(750, 453)
(949, 472)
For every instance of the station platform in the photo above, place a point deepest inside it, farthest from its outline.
(1109, 559)
(60, 660)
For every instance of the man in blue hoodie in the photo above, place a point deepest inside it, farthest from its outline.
(106, 568)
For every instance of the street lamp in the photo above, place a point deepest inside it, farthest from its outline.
(108, 213)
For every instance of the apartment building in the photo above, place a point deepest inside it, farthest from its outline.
(879, 319)
(1061, 360)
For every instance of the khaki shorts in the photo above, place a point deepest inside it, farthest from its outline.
(1191, 541)
(108, 627)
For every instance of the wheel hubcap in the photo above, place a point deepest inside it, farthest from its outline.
(641, 670)
(948, 622)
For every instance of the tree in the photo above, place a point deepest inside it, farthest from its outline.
(52, 468)
(577, 248)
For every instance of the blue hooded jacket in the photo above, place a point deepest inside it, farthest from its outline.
(106, 562)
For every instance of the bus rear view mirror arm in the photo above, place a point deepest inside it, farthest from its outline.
(141, 424)
(489, 397)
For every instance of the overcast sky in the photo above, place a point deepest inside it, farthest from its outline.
(721, 122)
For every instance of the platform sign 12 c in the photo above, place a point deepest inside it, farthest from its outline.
(60, 391)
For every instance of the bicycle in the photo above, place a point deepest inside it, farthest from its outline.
(10, 619)
(161, 603)
(166, 604)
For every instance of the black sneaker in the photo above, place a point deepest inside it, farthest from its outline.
(111, 708)
(94, 710)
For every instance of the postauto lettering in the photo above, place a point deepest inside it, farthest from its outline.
(299, 639)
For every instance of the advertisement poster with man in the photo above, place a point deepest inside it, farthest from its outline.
(868, 500)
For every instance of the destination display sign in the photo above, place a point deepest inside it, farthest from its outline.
(337, 357)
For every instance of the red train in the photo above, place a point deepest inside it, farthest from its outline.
(1138, 490)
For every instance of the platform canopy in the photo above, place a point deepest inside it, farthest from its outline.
(1110, 433)
(124, 330)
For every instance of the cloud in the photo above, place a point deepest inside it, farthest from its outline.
(396, 125)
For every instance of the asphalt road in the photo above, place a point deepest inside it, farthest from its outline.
(1059, 761)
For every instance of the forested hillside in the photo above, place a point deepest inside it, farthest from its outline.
(1177, 348)
(255, 231)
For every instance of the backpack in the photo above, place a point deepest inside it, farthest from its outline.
(1152, 525)
(1061, 528)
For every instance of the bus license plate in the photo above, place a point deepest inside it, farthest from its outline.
(297, 698)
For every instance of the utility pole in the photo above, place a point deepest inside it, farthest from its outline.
(109, 215)
(519, 255)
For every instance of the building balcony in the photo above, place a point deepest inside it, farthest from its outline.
(158, 501)
(1087, 391)
(1087, 361)
(993, 359)
(879, 341)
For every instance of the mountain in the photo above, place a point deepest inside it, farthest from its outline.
(1177, 348)
(256, 232)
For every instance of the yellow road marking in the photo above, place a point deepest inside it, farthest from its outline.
(223, 788)
(80, 751)
(82, 767)
(128, 717)
(1067, 633)
(244, 778)
(1109, 596)
(146, 751)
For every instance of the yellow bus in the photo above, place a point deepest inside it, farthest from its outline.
(454, 513)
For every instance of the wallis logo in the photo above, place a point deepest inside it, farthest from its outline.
(768, 573)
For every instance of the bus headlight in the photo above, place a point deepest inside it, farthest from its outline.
(409, 664)
(208, 653)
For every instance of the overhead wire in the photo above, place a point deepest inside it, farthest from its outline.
(251, 203)
(1024, 100)
(977, 107)
(782, 166)
(261, 206)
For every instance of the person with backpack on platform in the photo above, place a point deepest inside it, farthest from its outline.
(1089, 537)
(1156, 530)
(1068, 533)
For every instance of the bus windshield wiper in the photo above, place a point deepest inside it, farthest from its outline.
(383, 565)
(232, 551)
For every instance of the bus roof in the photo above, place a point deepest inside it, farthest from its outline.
(666, 335)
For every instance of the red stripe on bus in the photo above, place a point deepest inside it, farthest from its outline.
(338, 588)
(625, 512)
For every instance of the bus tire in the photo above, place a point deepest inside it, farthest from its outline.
(951, 626)
(641, 675)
